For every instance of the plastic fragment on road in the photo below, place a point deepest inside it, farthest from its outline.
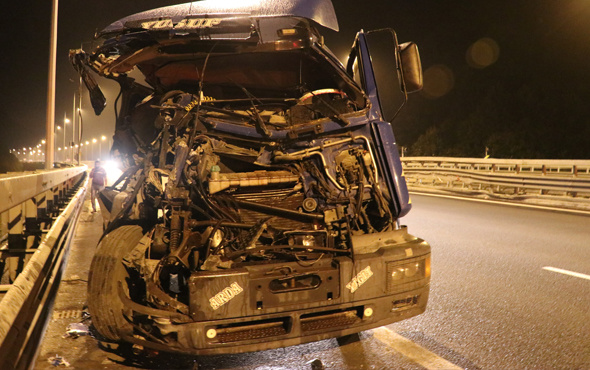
(75, 330)
(58, 361)
(316, 364)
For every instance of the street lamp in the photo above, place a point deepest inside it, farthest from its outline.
(102, 138)
(93, 142)
(66, 121)
(55, 141)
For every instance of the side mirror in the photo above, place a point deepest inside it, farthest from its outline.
(410, 68)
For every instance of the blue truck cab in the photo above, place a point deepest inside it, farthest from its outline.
(262, 199)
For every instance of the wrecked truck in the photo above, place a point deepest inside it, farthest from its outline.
(261, 202)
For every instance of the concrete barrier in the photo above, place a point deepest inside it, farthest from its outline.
(39, 252)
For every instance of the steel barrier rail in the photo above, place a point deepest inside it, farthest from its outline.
(577, 168)
(554, 183)
(39, 216)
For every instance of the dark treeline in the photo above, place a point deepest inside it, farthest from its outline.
(533, 102)
(520, 116)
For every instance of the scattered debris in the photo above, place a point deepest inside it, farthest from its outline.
(139, 350)
(85, 314)
(58, 361)
(75, 330)
(316, 364)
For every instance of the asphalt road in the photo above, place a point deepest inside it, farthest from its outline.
(493, 305)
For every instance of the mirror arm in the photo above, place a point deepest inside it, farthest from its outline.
(398, 67)
(78, 58)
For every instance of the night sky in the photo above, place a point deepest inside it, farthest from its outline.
(518, 70)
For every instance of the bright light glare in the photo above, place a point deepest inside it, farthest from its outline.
(113, 171)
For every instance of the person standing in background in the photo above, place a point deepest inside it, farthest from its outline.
(99, 181)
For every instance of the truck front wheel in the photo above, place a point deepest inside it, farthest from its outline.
(106, 270)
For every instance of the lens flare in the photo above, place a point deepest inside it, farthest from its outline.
(483, 53)
(439, 80)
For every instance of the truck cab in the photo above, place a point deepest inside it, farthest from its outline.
(261, 202)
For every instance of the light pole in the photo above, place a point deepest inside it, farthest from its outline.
(66, 121)
(86, 143)
(57, 128)
(93, 142)
(44, 146)
(50, 117)
(73, 126)
(102, 138)
(79, 125)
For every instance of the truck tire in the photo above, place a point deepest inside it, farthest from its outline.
(104, 304)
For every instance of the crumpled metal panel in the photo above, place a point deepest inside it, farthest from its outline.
(320, 11)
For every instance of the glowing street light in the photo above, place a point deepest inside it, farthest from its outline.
(102, 138)
(66, 121)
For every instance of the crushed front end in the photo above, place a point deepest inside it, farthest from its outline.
(261, 202)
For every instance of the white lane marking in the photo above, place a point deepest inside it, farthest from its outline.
(411, 350)
(567, 272)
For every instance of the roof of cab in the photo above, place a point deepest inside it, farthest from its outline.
(319, 11)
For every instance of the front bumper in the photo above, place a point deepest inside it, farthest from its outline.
(244, 310)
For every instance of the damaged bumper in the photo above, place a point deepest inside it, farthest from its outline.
(276, 305)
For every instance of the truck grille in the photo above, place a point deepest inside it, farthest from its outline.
(250, 331)
(326, 321)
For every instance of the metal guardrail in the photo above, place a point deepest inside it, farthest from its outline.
(39, 212)
(552, 183)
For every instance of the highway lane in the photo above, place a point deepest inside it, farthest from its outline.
(492, 305)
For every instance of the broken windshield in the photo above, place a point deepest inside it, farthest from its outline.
(285, 75)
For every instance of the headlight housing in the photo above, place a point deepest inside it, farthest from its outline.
(414, 270)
